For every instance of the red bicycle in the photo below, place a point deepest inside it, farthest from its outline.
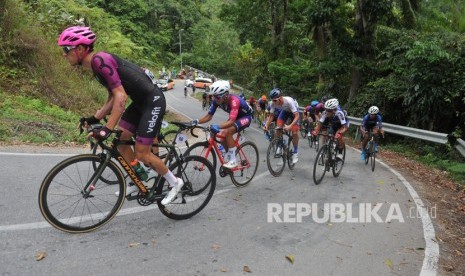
(246, 155)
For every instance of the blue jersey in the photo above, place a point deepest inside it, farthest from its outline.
(369, 122)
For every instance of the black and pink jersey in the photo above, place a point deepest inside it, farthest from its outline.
(112, 71)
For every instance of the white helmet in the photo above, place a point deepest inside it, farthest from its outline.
(218, 88)
(373, 110)
(331, 104)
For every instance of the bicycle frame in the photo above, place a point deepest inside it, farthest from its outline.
(213, 143)
(112, 152)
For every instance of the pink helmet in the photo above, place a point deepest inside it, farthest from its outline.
(76, 35)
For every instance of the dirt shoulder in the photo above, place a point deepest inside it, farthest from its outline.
(436, 189)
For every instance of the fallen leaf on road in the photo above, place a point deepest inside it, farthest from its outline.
(154, 242)
(246, 269)
(290, 258)
(216, 246)
(40, 255)
(223, 269)
(134, 244)
(389, 263)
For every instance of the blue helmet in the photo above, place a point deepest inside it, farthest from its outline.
(314, 103)
(275, 93)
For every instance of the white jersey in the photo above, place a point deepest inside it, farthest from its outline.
(289, 105)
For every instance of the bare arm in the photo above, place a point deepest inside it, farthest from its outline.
(116, 104)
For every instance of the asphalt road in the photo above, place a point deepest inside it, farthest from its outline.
(238, 228)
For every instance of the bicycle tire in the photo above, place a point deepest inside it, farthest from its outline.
(290, 153)
(246, 154)
(199, 149)
(196, 182)
(373, 157)
(319, 167)
(367, 152)
(275, 162)
(303, 130)
(339, 164)
(71, 175)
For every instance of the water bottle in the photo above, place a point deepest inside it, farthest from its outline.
(222, 150)
(139, 170)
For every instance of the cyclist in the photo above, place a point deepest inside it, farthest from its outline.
(204, 99)
(185, 91)
(333, 118)
(123, 79)
(289, 110)
(310, 116)
(252, 102)
(240, 117)
(374, 122)
(262, 104)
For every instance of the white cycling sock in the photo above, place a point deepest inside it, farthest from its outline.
(171, 178)
(232, 154)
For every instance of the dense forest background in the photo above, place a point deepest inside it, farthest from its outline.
(405, 56)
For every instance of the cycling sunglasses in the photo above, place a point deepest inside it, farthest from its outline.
(67, 49)
(330, 110)
(275, 100)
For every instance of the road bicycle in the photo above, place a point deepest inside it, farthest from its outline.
(170, 137)
(246, 156)
(326, 159)
(305, 132)
(74, 198)
(370, 152)
(280, 150)
(271, 132)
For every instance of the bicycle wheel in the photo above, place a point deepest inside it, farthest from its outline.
(247, 157)
(372, 157)
(339, 164)
(199, 186)
(303, 130)
(319, 167)
(275, 157)
(200, 149)
(290, 153)
(67, 207)
(317, 142)
(367, 152)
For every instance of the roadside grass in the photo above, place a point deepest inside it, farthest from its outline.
(33, 121)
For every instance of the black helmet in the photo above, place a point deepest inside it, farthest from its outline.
(275, 93)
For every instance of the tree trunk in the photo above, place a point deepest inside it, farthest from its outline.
(355, 85)
(278, 19)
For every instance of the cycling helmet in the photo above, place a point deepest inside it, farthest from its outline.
(219, 88)
(331, 104)
(314, 103)
(275, 93)
(325, 98)
(373, 110)
(263, 98)
(76, 35)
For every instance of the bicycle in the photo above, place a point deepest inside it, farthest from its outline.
(169, 137)
(246, 155)
(74, 198)
(271, 132)
(326, 159)
(279, 152)
(370, 152)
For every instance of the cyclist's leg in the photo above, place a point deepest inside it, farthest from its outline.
(239, 125)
